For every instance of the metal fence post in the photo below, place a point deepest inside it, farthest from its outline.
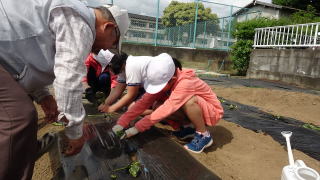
(112, 2)
(316, 35)
(229, 27)
(204, 33)
(255, 38)
(157, 24)
(223, 36)
(195, 24)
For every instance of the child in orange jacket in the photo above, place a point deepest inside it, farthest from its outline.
(180, 91)
(99, 77)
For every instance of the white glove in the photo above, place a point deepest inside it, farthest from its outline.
(131, 132)
(117, 128)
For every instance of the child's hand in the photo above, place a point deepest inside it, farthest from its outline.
(131, 132)
(103, 108)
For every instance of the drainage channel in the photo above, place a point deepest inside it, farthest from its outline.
(303, 139)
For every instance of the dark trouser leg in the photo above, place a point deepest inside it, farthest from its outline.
(105, 83)
(18, 130)
(93, 81)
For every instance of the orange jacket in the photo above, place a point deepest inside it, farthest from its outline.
(92, 62)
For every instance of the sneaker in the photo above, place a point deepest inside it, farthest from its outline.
(199, 143)
(184, 133)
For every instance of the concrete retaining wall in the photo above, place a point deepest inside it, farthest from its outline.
(182, 54)
(295, 66)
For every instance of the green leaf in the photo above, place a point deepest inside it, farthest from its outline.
(134, 168)
(113, 176)
(119, 134)
(311, 126)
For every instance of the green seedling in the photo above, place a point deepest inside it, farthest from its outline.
(232, 107)
(311, 126)
(120, 134)
(134, 168)
(113, 176)
(222, 100)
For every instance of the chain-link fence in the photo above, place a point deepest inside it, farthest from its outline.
(183, 23)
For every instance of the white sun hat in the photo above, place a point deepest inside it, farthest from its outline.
(120, 16)
(160, 70)
(104, 57)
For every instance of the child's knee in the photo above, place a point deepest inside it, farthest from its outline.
(191, 102)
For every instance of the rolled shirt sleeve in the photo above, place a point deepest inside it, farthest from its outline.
(73, 39)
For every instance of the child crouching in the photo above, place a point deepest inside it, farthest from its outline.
(180, 91)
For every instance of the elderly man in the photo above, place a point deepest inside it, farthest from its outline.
(45, 42)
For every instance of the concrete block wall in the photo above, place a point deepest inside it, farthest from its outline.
(182, 54)
(295, 66)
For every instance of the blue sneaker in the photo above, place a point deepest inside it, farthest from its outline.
(199, 143)
(184, 133)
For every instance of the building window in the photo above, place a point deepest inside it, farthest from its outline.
(138, 23)
(138, 34)
(152, 25)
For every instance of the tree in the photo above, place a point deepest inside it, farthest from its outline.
(307, 16)
(179, 18)
(299, 4)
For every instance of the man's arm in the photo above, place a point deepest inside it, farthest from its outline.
(73, 39)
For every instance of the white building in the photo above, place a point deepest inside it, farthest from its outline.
(257, 9)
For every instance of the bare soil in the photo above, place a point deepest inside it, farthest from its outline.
(238, 153)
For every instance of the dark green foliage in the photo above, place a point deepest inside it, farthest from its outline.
(303, 17)
(240, 55)
(179, 18)
(299, 4)
(245, 30)
(177, 14)
(244, 33)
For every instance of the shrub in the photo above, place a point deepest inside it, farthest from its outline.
(244, 33)
(240, 55)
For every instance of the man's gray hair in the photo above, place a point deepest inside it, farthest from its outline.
(106, 13)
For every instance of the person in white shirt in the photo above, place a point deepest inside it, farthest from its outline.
(132, 73)
(43, 43)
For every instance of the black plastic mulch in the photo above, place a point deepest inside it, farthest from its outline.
(160, 158)
(302, 139)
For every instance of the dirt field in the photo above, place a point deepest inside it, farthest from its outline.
(239, 153)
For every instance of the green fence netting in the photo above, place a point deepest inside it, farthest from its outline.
(186, 24)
